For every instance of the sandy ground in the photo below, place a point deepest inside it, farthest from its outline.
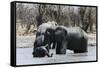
(24, 56)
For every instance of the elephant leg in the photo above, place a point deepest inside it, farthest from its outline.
(61, 47)
(54, 45)
(83, 47)
(58, 48)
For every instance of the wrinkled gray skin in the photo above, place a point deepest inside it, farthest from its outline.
(61, 40)
(76, 39)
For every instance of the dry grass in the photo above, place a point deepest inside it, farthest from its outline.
(92, 38)
(21, 31)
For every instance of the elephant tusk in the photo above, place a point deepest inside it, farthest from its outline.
(46, 45)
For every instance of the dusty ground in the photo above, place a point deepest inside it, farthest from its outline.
(24, 52)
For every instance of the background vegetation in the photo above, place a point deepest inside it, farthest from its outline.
(30, 16)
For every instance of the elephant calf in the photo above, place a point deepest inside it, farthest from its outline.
(41, 52)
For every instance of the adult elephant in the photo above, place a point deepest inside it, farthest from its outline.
(47, 29)
(44, 36)
(73, 38)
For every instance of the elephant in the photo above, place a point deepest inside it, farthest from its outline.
(47, 29)
(39, 49)
(74, 38)
(43, 38)
(41, 52)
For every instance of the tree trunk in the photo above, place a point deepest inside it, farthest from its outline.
(58, 15)
(28, 28)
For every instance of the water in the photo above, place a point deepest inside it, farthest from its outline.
(24, 56)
